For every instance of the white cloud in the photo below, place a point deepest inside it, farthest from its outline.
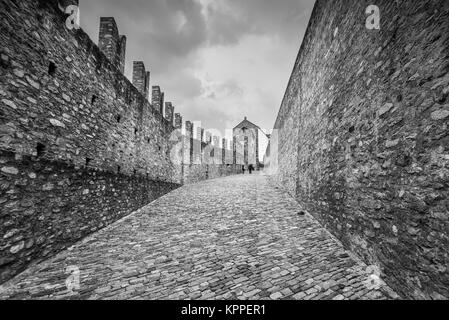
(216, 60)
(247, 79)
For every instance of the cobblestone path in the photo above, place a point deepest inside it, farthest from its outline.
(229, 238)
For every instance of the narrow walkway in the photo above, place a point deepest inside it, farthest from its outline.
(230, 238)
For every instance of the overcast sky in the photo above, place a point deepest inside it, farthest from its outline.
(216, 60)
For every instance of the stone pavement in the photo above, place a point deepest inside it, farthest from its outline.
(229, 238)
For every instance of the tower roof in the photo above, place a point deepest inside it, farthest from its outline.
(246, 124)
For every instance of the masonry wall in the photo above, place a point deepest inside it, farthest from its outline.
(202, 161)
(49, 205)
(197, 173)
(169, 112)
(157, 99)
(111, 43)
(363, 136)
(79, 145)
(141, 78)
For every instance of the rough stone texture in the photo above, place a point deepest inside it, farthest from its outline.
(80, 146)
(363, 136)
(49, 205)
(157, 99)
(86, 110)
(178, 121)
(188, 143)
(197, 173)
(111, 43)
(231, 238)
(169, 112)
(141, 78)
(203, 160)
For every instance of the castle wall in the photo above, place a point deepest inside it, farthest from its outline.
(80, 146)
(141, 78)
(363, 136)
(111, 43)
(169, 111)
(158, 99)
(197, 173)
(121, 56)
(178, 121)
(49, 205)
(206, 159)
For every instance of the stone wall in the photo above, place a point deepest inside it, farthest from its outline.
(361, 139)
(111, 43)
(80, 146)
(141, 78)
(202, 161)
(49, 205)
(169, 112)
(178, 121)
(197, 173)
(157, 99)
(209, 162)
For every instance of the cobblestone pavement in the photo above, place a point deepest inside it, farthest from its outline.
(229, 238)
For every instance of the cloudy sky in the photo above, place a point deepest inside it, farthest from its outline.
(217, 60)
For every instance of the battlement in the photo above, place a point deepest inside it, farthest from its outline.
(141, 78)
(158, 99)
(189, 129)
(111, 43)
(169, 112)
(208, 137)
(178, 121)
(80, 146)
(57, 80)
(200, 134)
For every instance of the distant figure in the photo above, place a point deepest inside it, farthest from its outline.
(243, 169)
(251, 169)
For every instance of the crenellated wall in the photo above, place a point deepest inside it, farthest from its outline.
(207, 161)
(158, 99)
(141, 78)
(80, 146)
(178, 121)
(111, 43)
(361, 138)
(169, 112)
